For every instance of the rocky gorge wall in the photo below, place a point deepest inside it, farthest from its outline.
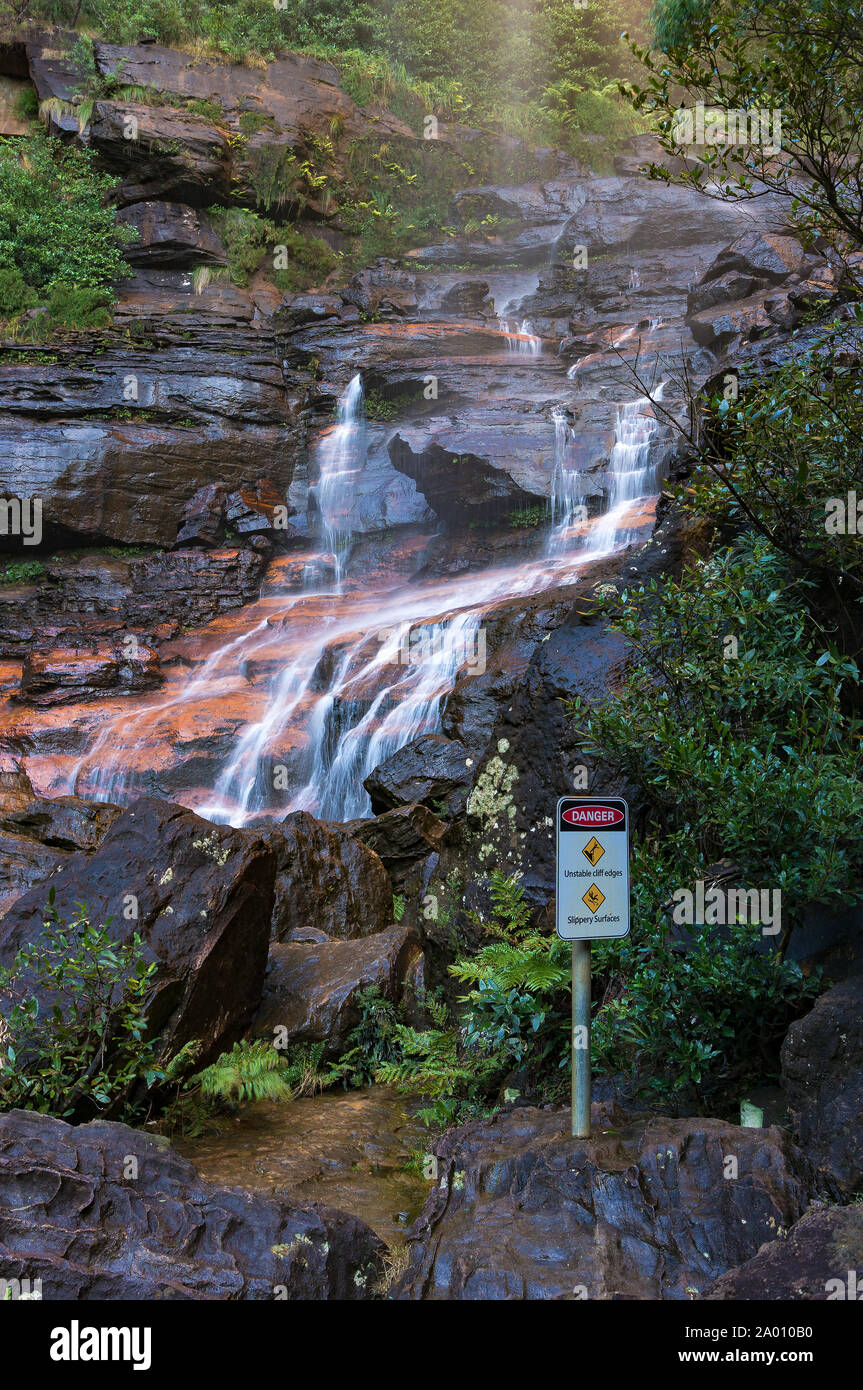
(491, 365)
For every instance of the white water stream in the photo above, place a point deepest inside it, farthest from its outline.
(360, 670)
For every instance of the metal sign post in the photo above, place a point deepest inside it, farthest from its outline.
(592, 904)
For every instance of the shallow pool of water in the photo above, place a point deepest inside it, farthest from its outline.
(347, 1149)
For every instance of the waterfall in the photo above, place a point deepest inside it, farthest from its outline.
(341, 455)
(566, 495)
(412, 680)
(325, 685)
(521, 340)
(631, 469)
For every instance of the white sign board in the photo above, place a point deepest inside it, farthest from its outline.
(592, 867)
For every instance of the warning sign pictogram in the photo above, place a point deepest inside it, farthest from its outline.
(594, 898)
(593, 850)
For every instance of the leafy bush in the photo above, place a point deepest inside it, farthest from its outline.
(706, 734)
(488, 59)
(759, 57)
(26, 105)
(82, 1049)
(21, 571)
(698, 1022)
(77, 307)
(776, 458)
(54, 225)
(15, 294)
(248, 238)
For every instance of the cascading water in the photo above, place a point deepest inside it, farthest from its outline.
(631, 469)
(566, 490)
(341, 456)
(355, 672)
(405, 706)
(521, 340)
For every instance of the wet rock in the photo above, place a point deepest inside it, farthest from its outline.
(162, 1234)
(822, 1075)
(716, 328)
(24, 862)
(203, 521)
(312, 990)
(382, 289)
(722, 289)
(171, 234)
(327, 880)
(61, 677)
(433, 770)
(402, 838)
(174, 157)
(460, 485)
(62, 822)
(642, 1210)
(93, 600)
(820, 1258)
(300, 95)
(210, 403)
(260, 511)
(761, 255)
(203, 896)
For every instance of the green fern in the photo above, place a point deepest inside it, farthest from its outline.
(249, 1072)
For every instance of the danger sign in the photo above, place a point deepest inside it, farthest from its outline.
(592, 868)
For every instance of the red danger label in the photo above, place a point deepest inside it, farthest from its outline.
(592, 816)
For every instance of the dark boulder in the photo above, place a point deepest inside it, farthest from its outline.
(821, 1257)
(822, 1075)
(648, 1208)
(201, 898)
(203, 519)
(326, 879)
(62, 822)
(402, 838)
(104, 1212)
(761, 255)
(173, 156)
(312, 988)
(432, 769)
(171, 234)
(24, 862)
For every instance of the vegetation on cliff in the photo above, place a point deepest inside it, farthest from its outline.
(546, 69)
(60, 245)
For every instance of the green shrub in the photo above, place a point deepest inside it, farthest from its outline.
(21, 571)
(700, 1022)
(15, 294)
(249, 237)
(83, 1047)
(77, 307)
(56, 231)
(26, 105)
(777, 457)
(731, 721)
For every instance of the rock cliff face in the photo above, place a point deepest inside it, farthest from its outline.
(199, 896)
(642, 1210)
(153, 1230)
(212, 649)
